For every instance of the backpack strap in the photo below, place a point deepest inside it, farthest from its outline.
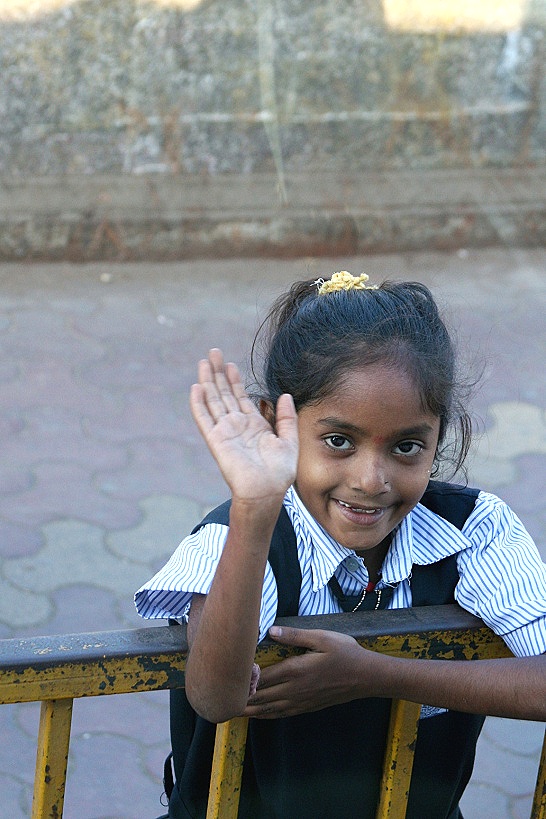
(434, 584)
(283, 557)
(185, 724)
(452, 502)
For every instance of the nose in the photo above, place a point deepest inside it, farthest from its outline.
(370, 476)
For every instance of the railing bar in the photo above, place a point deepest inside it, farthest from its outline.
(538, 811)
(52, 758)
(227, 769)
(18, 654)
(55, 670)
(398, 761)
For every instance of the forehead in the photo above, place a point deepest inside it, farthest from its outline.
(375, 395)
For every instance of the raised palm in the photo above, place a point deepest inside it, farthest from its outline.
(257, 462)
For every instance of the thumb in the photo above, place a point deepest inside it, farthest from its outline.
(301, 637)
(286, 419)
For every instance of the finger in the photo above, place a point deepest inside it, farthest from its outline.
(207, 399)
(199, 409)
(207, 406)
(269, 710)
(277, 674)
(217, 390)
(229, 383)
(233, 375)
(312, 639)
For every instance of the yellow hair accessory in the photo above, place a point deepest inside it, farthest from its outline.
(343, 280)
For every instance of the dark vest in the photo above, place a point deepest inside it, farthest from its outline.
(327, 764)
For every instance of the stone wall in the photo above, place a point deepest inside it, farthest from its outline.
(171, 128)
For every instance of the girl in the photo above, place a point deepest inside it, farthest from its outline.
(360, 406)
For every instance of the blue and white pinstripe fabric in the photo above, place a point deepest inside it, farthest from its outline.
(502, 577)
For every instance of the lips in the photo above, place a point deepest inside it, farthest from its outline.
(360, 516)
(360, 510)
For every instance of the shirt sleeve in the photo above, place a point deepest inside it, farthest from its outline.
(503, 578)
(190, 571)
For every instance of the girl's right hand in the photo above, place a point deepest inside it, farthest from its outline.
(257, 462)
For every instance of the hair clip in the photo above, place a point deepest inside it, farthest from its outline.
(343, 280)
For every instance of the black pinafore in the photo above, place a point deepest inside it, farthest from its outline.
(327, 764)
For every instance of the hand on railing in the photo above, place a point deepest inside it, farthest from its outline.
(335, 669)
(325, 675)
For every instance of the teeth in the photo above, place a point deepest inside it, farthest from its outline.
(358, 508)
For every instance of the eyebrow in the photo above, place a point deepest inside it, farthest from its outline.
(345, 426)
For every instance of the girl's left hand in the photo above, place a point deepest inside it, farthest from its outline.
(322, 677)
(336, 670)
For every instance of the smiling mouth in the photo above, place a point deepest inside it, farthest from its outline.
(359, 510)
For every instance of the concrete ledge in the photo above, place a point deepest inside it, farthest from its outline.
(169, 217)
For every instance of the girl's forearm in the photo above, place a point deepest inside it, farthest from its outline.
(223, 628)
(514, 687)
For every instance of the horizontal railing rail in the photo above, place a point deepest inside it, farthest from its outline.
(57, 669)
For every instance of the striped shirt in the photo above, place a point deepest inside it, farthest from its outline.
(502, 577)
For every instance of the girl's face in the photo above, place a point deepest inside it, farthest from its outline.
(366, 453)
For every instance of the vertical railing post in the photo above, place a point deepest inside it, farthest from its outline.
(52, 758)
(227, 769)
(398, 762)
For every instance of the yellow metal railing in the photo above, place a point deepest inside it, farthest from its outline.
(56, 670)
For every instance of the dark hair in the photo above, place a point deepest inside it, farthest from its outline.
(310, 342)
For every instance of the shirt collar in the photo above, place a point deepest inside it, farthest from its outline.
(323, 553)
(422, 537)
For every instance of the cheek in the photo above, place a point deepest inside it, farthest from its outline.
(314, 471)
(308, 474)
(413, 490)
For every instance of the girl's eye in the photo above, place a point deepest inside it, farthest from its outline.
(408, 448)
(339, 442)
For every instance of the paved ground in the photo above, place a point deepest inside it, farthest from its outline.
(101, 472)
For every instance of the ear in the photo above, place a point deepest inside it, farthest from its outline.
(268, 411)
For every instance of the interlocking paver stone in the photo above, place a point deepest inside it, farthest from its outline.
(100, 757)
(14, 800)
(56, 433)
(18, 540)
(64, 490)
(165, 514)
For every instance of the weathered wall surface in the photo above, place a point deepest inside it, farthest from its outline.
(164, 129)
